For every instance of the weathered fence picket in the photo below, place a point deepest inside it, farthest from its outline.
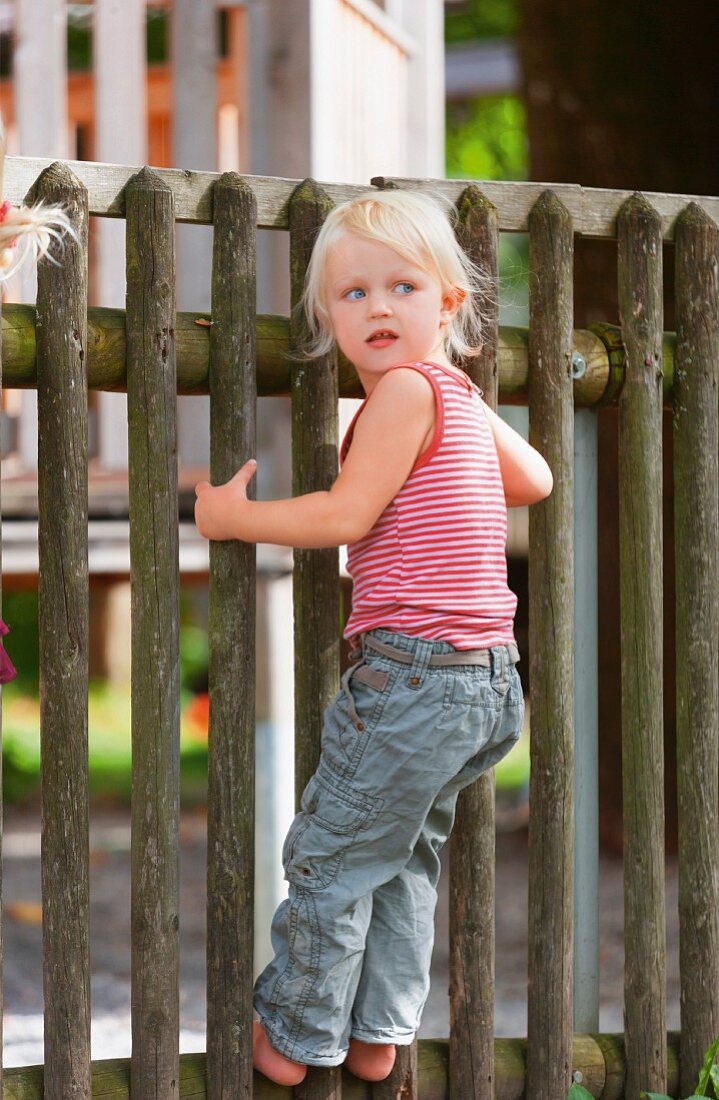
(472, 848)
(231, 746)
(315, 427)
(696, 525)
(155, 579)
(64, 624)
(640, 576)
(551, 648)
(62, 349)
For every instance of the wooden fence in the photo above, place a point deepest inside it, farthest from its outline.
(61, 348)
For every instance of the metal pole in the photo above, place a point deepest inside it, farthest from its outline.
(586, 847)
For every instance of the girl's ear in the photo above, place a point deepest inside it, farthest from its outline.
(451, 302)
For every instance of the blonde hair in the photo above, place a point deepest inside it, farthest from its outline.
(419, 227)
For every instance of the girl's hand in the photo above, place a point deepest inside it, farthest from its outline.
(219, 509)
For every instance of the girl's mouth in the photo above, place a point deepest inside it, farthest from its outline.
(382, 338)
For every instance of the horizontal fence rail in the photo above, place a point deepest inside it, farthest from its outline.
(598, 1059)
(593, 209)
(597, 354)
(62, 348)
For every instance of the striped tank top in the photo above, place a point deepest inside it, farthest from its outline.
(434, 563)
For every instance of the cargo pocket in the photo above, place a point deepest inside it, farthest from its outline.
(333, 816)
(353, 715)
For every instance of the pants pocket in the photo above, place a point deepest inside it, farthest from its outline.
(346, 728)
(332, 816)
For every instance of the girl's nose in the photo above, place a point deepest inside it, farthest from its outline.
(379, 306)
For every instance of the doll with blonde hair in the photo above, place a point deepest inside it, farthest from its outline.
(26, 232)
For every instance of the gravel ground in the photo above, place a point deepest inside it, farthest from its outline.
(110, 942)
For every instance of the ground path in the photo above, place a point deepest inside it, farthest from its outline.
(110, 950)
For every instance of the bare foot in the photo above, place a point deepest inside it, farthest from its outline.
(271, 1063)
(370, 1061)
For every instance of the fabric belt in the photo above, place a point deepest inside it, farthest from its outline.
(481, 657)
(378, 679)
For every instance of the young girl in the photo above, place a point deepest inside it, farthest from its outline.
(434, 698)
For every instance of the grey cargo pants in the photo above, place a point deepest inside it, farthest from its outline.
(353, 940)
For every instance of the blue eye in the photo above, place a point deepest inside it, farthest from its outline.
(404, 288)
(350, 293)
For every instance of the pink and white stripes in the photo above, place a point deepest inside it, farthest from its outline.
(434, 563)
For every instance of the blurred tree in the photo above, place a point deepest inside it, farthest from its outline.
(486, 134)
(480, 19)
(624, 96)
(487, 138)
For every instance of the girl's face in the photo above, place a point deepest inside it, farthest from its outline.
(384, 310)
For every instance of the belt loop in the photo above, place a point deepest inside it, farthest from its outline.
(421, 657)
(499, 668)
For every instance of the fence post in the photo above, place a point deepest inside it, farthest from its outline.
(472, 843)
(551, 646)
(316, 572)
(154, 557)
(64, 621)
(640, 583)
(231, 747)
(696, 527)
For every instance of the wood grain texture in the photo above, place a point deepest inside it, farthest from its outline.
(316, 572)
(598, 1058)
(640, 584)
(154, 557)
(106, 355)
(551, 647)
(593, 210)
(232, 618)
(64, 624)
(696, 537)
(314, 393)
(403, 1081)
(472, 847)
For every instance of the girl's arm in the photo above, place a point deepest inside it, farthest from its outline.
(525, 475)
(386, 441)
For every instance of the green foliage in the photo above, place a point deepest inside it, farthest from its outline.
(157, 35)
(79, 36)
(20, 612)
(109, 719)
(480, 19)
(487, 139)
(79, 39)
(109, 747)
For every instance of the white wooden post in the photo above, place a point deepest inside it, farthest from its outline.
(119, 55)
(425, 113)
(194, 145)
(279, 144)
(40, 91)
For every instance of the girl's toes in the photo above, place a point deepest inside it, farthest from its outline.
(272, 1064)
(370, 1061)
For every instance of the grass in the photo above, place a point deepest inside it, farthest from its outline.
(109, 747)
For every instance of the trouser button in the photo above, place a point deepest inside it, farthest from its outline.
(414, 680)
